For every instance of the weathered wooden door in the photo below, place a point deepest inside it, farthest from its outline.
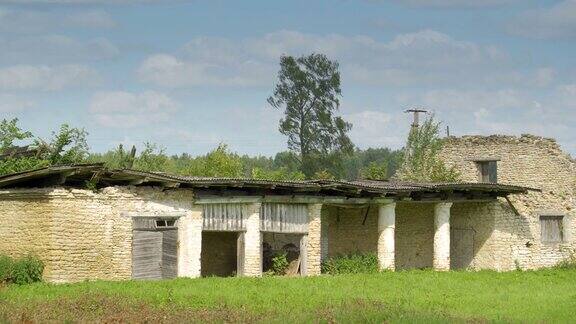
(461, 248)
(146, 254)
(154, 249)
(169, 253)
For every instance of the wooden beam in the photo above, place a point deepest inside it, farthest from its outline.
(516, 212)
(227, 200)
(291, 200)
(451, 200)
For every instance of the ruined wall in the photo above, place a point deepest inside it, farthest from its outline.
(526, 161)
(80, 234)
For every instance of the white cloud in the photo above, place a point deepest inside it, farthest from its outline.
(54, 49)
(46, 78)
(557, 21)
(12, 103)
(412, 58)
(456, 3)
(469, 100)
(539, 77)
(169, 71)
(28, 21)
(127, 109)
(373, 128)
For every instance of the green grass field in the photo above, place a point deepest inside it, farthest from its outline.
(411, 296)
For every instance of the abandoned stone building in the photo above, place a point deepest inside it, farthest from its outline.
(514, 208)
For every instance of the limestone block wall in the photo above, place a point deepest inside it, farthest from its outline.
(24, 225)
(347, 234)
(80, 234)
(313, 239)
(253, 243)
(413, 238)
(527, 161)
(414, 235)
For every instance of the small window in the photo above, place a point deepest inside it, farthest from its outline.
(551, 229)
(165, 223)
(487, 171)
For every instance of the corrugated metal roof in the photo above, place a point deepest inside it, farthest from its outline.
(83, 172)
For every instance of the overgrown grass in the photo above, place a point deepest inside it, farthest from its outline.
(410, 296)
(352, 263)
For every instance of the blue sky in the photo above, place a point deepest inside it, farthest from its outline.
(191, 74)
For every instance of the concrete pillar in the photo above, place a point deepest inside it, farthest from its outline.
(441, 260)
(190, 243)
(313, 240)
(252, 243)
(386, 230)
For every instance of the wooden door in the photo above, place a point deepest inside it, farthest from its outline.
(169, 253)
(147, 254)
(154, 250)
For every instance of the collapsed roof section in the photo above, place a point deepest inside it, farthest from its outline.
(97, 175)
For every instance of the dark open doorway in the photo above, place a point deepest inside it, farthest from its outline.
(219, 255)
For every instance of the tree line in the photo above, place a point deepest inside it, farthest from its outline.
(308, 91)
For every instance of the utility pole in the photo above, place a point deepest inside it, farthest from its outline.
(416, 112)
(415, 123)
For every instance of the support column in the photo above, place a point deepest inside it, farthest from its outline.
(323, 235)
(313, 240)
(441, 260)
(252, 240)
(386, 232)
(190, 243)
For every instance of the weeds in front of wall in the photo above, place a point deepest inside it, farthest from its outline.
(567, 263)
(25, 270)
(351, 263)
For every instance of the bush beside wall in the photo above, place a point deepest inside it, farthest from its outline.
(352, 263)
(20, 271)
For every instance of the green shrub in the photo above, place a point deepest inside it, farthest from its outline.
(21, 271)
(279, 264)
(352, 263)
(6, 264)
